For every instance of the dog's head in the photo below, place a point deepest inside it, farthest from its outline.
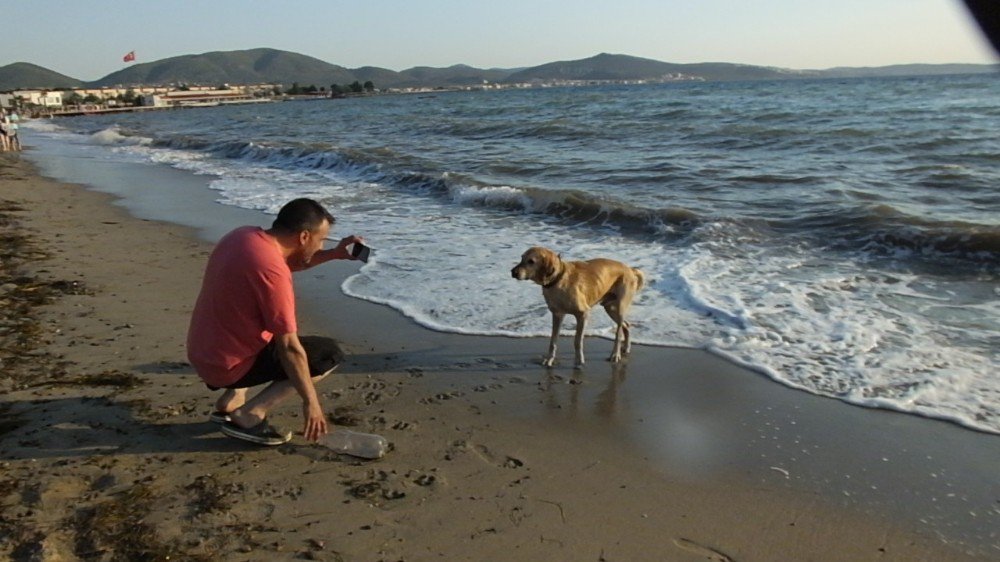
(537, 264)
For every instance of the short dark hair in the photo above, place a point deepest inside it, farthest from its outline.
(301, 214)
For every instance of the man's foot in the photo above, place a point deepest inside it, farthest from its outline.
(261, 434)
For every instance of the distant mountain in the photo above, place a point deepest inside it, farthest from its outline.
(283, 67)
(624, 67)
(232, 67)
(24, 75)
(909, 70)
(457, 75)
(274, 66)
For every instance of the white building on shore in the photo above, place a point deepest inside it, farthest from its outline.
(44, 98)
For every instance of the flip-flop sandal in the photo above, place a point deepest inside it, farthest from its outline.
(261, 434)
(219, 417)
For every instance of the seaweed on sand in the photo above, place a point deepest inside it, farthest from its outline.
(116, 530)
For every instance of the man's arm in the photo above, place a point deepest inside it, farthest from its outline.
(338, 253)
(296, 365)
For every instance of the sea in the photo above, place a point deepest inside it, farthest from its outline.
(840, 236)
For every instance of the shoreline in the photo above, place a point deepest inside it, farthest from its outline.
(612, 463)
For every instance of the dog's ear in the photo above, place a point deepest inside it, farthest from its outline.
(548, 267)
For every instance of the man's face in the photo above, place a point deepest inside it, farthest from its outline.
(314, 241)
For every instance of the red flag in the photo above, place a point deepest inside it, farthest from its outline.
(129, 57)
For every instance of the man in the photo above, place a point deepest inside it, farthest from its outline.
(243, 330)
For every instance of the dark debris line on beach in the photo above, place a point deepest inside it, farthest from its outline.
(114, 526)
(23, 362)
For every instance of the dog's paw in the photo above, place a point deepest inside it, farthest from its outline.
(615, 358)
(548, 361)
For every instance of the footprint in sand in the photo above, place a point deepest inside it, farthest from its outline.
(374, 385)
(442, 396)
(701, 550)
(488, 387)
(425, 480)
(484, 453)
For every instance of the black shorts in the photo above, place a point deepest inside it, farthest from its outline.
(322, 353)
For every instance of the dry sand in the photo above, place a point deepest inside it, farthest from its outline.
(106, 452)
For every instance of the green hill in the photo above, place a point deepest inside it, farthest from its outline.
(456, 75)
(624, 67)
(233, 67)
(909, 70)
(24, 76)
(274, 66)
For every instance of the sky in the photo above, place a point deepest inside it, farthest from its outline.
(87, 40)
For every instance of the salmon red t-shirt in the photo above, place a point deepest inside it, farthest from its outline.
(246, 297)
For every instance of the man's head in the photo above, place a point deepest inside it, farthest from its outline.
(306, 224)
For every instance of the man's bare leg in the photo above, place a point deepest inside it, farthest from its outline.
(254, 410)
(231, 399)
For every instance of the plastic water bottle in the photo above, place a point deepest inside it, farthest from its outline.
(356, 444)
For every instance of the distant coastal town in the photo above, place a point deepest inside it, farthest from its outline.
(85, 101)
(269, 75)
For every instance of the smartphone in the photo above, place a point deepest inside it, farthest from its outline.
(360, 251)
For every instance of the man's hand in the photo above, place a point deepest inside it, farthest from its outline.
(340, 252)
(336, 253)
(315, 425)
(296, 364)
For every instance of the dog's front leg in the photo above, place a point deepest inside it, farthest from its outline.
(581, 325)
(557, 319)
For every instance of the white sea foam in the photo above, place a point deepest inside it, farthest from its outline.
(43, 126)
(825, 326)
(112, 136)
(493, 196)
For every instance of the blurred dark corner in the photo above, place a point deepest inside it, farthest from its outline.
(987, 14)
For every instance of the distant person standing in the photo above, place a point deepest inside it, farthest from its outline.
(243, 329)
(4, 128)
(12, 137)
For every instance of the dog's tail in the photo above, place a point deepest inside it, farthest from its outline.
(640, 279)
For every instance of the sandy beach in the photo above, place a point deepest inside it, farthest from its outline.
(106, 452)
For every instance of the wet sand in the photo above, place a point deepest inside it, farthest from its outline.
(678, 455)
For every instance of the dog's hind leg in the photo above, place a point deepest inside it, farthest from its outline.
(556, 324)
(581, 325)
(617, 309)
(622, 341)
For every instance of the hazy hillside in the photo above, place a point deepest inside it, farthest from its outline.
(23, 76)
(624, 67)
(235, 67)
(909, 70)
(457, 75)
(381, 77)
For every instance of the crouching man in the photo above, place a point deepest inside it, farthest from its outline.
(243, 330)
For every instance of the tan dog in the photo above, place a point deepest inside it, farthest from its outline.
(574, 287)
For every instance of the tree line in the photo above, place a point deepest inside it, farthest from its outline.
(355, 87)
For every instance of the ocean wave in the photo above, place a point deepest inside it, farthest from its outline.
(979, 244)
(570, 206)
(883, 230)
(113, 136)
(553, 129)
(876, 230)
(303, 157)
(43, 125)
